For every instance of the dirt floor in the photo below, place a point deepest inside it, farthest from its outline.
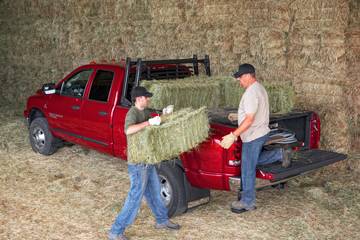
(77, 193)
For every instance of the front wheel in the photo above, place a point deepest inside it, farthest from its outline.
(41, 138)
(173, 194)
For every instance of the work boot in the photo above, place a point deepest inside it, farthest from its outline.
(240, 207)
(286, 154)
(114, 237)
(168, 225)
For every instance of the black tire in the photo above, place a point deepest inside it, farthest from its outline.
(173, 194)
(41, 138)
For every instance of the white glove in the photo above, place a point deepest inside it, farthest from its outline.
(169, 109)
(155, 121)
(228, 140)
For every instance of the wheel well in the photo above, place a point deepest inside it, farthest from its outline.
(35, 113)
(192, 193)
(180, 164)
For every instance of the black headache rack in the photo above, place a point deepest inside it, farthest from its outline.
(149, 70)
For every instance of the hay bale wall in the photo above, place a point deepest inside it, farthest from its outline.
(298, 42)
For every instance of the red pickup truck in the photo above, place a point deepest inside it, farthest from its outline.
(88, 107)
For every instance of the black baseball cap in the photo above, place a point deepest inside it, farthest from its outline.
(139, 92)
(244, 69)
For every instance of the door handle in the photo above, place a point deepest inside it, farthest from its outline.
(75, 107)
(103, 113)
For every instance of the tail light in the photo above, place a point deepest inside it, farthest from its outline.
(314, 131)
(233, 154)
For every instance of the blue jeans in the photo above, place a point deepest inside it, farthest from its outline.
(144, 182)
(252, 156)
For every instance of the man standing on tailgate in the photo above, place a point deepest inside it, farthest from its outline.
(253, 119)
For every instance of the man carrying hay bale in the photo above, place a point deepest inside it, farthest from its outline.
(253, 119)
(143, 177)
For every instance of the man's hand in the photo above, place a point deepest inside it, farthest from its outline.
(169, 109)
(228, 140)
(155, 121)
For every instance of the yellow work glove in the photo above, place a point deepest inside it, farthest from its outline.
(228, 140)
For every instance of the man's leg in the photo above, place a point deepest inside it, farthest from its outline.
(249, 159)
(267, 157)
(138, 178)
(153, 197)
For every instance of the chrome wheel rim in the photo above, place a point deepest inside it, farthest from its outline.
(166, 191)
(38, 137)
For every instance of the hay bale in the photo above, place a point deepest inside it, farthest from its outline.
(213, 92)
(312, 94)
(183, 93)
(233, 92)
(335, 129)
(320, 14)
(281, 97)
(178, 133)
(321, 50)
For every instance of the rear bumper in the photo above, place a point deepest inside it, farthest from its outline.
(235, 182)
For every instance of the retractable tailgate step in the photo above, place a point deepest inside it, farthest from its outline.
(302, 161)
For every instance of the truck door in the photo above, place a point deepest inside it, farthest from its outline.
(64, 108)
(120, 142)
(96, 112)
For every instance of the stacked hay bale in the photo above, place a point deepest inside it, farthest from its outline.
(213, 92)
(182, 94)
(179, 132)
(352, 92)
(294, 42)
(317, 63)
(281, 96)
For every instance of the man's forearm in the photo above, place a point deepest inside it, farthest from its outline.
(243, 127)
(137, 127)
(248, 121)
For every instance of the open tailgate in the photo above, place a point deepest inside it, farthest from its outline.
(302, 161)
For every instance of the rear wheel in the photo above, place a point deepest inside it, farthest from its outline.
(41, 138)
(173, 195)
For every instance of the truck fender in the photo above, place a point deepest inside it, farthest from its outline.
(192, 193)
(33, 114)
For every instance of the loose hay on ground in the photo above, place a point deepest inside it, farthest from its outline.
(77, 193)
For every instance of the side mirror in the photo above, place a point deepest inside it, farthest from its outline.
(48, 88)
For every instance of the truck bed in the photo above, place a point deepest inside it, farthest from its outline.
(220, 116)
(303, 160)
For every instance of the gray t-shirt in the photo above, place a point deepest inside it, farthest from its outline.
(255, 100)
(134, 116)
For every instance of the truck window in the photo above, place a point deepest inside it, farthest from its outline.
(101, 86)
(75, 85)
